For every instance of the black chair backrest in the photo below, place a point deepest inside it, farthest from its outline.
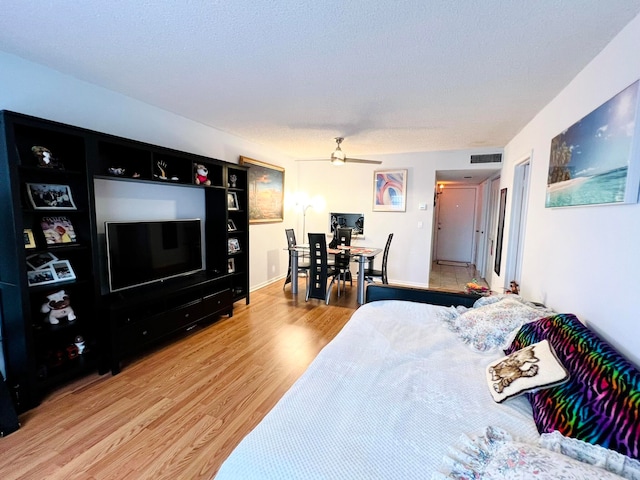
(385, 258)
(344, 236)
(318, 268)
(291, 237)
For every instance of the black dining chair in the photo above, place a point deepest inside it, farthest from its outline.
(319, 270)
(370, 274)
(343, 237)
(303, 261)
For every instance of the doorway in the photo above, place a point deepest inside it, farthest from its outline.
(518, 222)
(455, 224)
(492, 226)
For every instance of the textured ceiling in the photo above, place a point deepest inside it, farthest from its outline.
(389, 75)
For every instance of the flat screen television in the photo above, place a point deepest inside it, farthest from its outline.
(144, 252)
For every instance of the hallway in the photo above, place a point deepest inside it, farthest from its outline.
(454, 278)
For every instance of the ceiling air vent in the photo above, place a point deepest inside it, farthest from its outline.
(488, 158)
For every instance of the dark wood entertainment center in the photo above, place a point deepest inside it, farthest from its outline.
(41, 354)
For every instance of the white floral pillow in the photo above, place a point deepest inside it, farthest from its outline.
(492, 326)
(496, 456)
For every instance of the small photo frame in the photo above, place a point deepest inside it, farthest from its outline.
(29, 240)
(41, 260)
(63, 270)
(231, 265)
(54, 272)
(232, 201)
(44, 196)
(234, 245)
(41, 277)
(58, 230)
(231, 226)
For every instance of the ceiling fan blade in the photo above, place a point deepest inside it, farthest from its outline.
(359, 160)
(311, 160)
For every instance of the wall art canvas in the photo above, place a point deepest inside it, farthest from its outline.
(595, 161)
(389, 190)
(266, 191)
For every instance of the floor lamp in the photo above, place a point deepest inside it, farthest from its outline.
(304, 222)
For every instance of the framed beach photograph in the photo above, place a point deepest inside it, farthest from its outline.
(231, 265)
(42, 276)
(233, 245)
(29, 240)
(232, 201)
(595, 161)
(389, 190)
(58, 230)
(231, 226)
(41, 260)
(266, 191)
(44, 196)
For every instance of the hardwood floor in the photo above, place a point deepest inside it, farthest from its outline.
(177, 411)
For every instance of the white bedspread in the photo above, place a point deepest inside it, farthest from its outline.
(384, 400)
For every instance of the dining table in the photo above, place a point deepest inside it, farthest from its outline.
(359, 254)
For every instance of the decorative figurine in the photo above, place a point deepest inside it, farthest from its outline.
(202, 174)
(58, 306)
(119, 171)
(79, 343)
(232, 180)
(45, 157)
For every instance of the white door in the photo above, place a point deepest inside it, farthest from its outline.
(456, 223)
(518, 222)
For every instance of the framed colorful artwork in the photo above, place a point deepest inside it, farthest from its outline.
(389, 190)
(266, 191)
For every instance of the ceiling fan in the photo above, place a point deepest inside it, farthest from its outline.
(339, 158)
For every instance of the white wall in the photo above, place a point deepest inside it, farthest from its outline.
(32, 89)
(349, 188)
(583, 260)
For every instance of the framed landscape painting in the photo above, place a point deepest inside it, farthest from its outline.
(266, 191)
(389, 190)
(595, 161)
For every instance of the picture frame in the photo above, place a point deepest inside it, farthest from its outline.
(233, 245)
(41, 260)
(57, 230)
(231, 226)
(596, 160)
(231, 265)
(46, 196)
(389, 190)
(500, 232)
(29, 240)
(232, 201)
(54, 272)
(266, 191)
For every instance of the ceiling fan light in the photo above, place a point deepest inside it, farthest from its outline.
(337, 157)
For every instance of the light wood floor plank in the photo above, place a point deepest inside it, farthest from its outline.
(179, 409)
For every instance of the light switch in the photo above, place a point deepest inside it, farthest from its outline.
(422, 206)
(419, 224)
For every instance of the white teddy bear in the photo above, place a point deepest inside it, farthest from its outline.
(57, 307)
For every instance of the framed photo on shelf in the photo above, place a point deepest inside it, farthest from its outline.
(58, 230)
(234, 245)
(231, 265)
(63, 270)
(232, 201)
(52, 272)
(266, 195)
(231, 226)
(38, 261)
(45, 196)
(29, 241)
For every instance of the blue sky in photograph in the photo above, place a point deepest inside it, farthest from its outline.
(601, 141)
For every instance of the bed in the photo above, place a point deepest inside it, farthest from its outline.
(407, 390)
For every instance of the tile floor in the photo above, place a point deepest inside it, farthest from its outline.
(450, 277)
